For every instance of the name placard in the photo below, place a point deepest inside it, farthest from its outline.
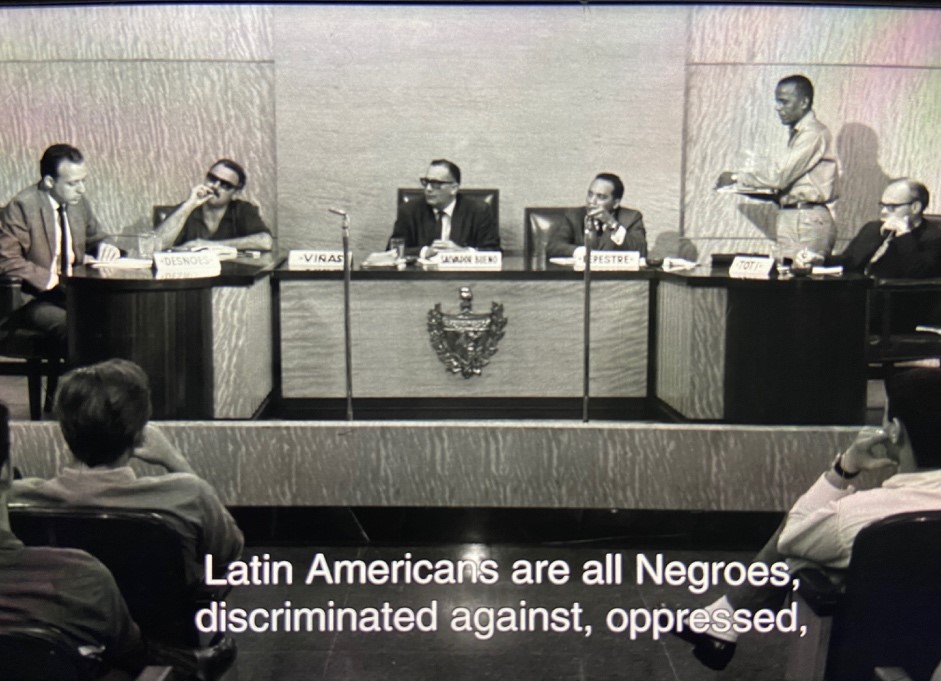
(751, 267)
(316, 260)
(170, 265)
(610, 261)
(469, 260)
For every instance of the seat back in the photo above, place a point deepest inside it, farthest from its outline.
(891, 612)
(489, 196)
(43, 654)
(142, 549)
(538, 223)
(161, 213)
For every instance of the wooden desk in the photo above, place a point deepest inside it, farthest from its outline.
(540, 355)
(779, 351)
(205, 343)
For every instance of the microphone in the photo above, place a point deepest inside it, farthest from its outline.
(337, 211)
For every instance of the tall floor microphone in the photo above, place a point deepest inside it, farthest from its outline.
(586, 353)
(347, 332)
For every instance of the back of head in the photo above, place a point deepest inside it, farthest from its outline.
(915, 399)
(54, 155)
(802, 85)
(102, 410)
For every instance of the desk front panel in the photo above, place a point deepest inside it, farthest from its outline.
(540, 354)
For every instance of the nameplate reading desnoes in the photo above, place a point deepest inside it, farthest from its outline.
(751, 267)
(470, 260)
(611, 261)
(175, 265)
(307, 260)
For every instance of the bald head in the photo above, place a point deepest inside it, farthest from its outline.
(904, 198)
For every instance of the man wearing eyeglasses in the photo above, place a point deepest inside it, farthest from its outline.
(47, 229)
(446, 219)
(902, 243)
(212, 215)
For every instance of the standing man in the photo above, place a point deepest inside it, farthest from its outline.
(613, 227)
(45, 231)
(803, 179)
(445, 219)
(212, 214)
(902, 243)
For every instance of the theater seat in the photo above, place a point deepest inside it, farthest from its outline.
(42, 654)
(144, 552)
(538, 223)
(886, 614)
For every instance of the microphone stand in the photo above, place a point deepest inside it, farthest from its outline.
(347, 333)
(586, 352)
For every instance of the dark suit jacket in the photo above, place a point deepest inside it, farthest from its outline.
(27, 235)
(472, 224)
(570, 233)
(913, 255)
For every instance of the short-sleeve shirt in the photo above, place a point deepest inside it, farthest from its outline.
(241, 218)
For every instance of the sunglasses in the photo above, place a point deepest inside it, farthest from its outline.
(223, 184)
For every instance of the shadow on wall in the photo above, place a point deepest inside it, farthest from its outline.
(862, 181)
(761, 215)
(671, 244)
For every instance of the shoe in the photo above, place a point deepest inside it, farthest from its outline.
(711, 651)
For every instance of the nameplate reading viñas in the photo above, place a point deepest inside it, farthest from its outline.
(307, 260)
(610, 261)
(751, 267)
(174, 265)
(469, 260)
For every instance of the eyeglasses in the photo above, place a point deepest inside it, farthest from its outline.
(223, 184)
(434, 184)
(893, 206)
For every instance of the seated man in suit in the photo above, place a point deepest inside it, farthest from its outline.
(445, 219)
(62, 589)
(822, 525)
(212, 214)
(613, 227)
(103, 412)
(902, 243)
(44, 231)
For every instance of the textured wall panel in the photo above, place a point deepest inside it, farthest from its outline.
(818, 35)
(691, 349)
(241, 348)
(149, 130)
(153, 32)
(539, 356)
(532, 100)
(507, 464)
(881, 120)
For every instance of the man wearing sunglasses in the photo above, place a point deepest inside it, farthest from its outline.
(902, 243)
(212, 215)
(445, 219)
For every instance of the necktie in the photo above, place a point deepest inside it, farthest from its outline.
(63, 242)
(883, 247)
(443, 233)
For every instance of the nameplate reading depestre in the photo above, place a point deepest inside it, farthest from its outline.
(466, 341)
(316, 260)
(751, 267)
(610, 261)
(469, 260)
(175, 265)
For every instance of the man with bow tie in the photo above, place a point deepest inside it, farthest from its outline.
(612, 227)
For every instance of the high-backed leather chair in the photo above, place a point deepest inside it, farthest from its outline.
(144, 552)
(42, 654)
(888, 611)
(537, 224)
(488, 196)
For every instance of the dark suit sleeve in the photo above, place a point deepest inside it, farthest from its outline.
(907, 258)
(562, 241)
(636, 237)
(406, 228)
(15, 241)
(93, 231)
(486, 233)
(859, 250)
